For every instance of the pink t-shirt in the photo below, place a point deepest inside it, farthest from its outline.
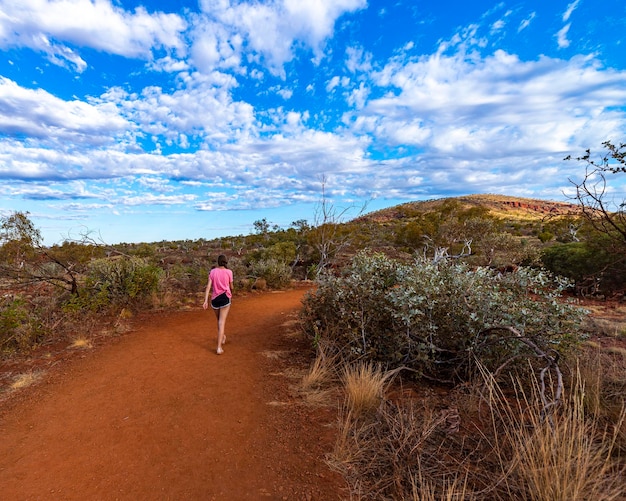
(221, 279)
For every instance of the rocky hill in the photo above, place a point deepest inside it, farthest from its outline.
(501, 206)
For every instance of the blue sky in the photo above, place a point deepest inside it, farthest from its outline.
(142, 121)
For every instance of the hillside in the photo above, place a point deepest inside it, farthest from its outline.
(501, 206)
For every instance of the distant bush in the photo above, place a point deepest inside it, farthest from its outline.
(593, 266)
(118, 282)
(20, 327)
(276, 273)
(435, 318)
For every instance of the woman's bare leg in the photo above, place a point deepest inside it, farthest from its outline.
(221, 315)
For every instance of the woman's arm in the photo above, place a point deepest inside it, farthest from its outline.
(206, 293)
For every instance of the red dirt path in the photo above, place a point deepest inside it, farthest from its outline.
(157, 415)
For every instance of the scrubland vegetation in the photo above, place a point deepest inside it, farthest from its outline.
(462, 334)
(512, 400)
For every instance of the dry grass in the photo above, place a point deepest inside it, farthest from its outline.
(317, 384)
(454, 488)
(408, 450)
(399, 453)
(567, 456)
(321, 373)
(81, 343)
(26, 379)
(364, 385)
(607, 320)
(603, 374)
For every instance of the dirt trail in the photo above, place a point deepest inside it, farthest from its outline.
(157, 415)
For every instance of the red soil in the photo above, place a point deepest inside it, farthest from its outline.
(156, 415)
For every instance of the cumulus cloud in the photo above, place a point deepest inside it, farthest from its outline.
(271, 30)
(54, 26)
(498, 104)
(39, 114)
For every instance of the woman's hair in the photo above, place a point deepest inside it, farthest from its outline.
(221, 260)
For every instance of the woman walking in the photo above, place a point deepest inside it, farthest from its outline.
(221, 282)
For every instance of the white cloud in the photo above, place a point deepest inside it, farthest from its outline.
(285, 93)
(39, 114)
(49, 26)
(333, 83)
(497, 108)
(497, 26)
(526, 22)
(151, 199)
(561, 37)
(570, 10)
(203, 108)
(272, 30)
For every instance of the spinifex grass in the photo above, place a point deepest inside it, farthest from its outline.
(567, 456)
(364, 385)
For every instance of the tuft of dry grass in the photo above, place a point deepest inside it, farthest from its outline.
(26, 379)
(453, 488)
(616, 350)
(316, 385)
(566, 462)
(321, 373)
(399, 454)
(602, 372)
(364, 384)
(81, 343)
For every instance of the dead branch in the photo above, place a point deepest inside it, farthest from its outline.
(551, 365)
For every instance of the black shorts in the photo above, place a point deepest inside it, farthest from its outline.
(220, 301)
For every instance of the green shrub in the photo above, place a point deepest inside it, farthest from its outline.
(276, 273)
(181, 278)
(545, 236)
(591, 267)
(435, 318)
(20, 328)
(119, 282)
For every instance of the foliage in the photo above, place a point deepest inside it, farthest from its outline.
(119, 282)
(605, 214)
(593, 265)
(576, 261)
(18, 238)
(599, 207)
(184, 278)
(20, 328)
(276, 273)
(435, 318)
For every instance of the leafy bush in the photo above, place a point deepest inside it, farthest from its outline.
(20, 328)
(119, 282)
(594, 266)
(185, 278)
(437, 318)
(276, 273)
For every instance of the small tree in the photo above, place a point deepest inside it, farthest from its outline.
(326, 237)
(605, 214)
(24, 258)
(18, 238)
